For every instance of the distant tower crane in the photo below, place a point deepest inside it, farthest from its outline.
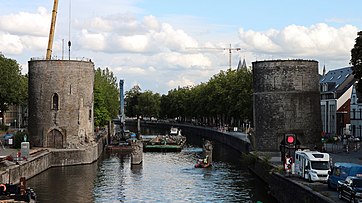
(52, 30)
(229, 49)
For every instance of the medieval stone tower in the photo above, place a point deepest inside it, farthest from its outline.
(61, 103)
(286, 100)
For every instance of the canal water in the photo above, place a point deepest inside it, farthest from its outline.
(162, 177)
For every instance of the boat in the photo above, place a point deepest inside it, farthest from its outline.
(203, 163)
(122, 143)
(17, 192)
(172, 142)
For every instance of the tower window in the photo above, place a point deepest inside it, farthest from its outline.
(55, 101)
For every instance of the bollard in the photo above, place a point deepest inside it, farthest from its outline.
(137, 152)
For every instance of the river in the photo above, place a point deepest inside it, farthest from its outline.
(162, 177)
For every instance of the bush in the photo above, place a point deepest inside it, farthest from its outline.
(4, 127)
(19, 138)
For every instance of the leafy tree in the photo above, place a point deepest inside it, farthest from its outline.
(225, 99)
(131, 101)
(146, 104)
(13, 85)
(356, 61)
(106, 97)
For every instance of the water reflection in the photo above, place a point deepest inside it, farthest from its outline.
(162, 177)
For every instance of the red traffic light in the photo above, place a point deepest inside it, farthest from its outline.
(290, 139)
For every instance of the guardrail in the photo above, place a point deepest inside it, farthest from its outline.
(42, 58)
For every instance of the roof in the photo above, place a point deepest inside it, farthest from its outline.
(241, 65)
(338, 79)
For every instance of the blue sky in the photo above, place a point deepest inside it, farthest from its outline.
(152, 42)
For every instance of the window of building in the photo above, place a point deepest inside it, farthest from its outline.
(347, 75)
(55, 101)
(90, 114)
(331, 78)
(339, 76)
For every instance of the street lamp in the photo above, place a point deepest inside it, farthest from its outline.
(15, 124)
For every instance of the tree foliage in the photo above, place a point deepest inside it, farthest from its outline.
(225, 99)
(13, 85)
(145, 104)
(356, 61)
(106, 97)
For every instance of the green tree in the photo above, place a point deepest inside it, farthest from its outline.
(13, 85)
(356, 61)
(131, 101)
(225, 99)
(146, 104)
(106, 97)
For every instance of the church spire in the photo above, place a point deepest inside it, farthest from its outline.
(241, 65)
(324, 70)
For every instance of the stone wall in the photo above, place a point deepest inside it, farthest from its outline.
(284, 189)
(53, 158)
(286, 100)
(67, 123)
(203, 132)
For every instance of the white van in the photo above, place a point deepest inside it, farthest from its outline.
(312, 165)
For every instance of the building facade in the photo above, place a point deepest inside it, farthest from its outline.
(61, 103)
(356, 115)
(286, 100)
(335, 90)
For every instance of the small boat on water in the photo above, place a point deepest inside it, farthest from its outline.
(173, 142)
(17, 192)
(203, 163)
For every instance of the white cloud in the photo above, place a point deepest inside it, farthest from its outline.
(11, 43)
(319, 40)
(180, 82)
(24, 23)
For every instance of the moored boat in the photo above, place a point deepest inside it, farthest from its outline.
(172, 142)
(17, 192)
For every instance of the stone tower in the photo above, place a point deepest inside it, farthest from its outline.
(286, 100)
(61, 103)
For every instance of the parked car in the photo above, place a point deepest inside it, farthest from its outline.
(5, 139)
(350, 189)
(341, 171)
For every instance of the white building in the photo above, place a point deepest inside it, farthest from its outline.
(356, 115)
(336, 89)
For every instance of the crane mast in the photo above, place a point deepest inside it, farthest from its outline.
(52, 30)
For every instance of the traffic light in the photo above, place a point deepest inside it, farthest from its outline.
(290, 139)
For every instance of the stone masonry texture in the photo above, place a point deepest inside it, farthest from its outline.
(71, 124)
(286, 100)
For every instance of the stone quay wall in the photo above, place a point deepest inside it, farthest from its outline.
(53, 158)
(202, 132)
(284, 189)
(286, 100)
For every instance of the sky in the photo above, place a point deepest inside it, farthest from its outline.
(161, 45)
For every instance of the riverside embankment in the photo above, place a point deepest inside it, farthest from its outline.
(41, 159)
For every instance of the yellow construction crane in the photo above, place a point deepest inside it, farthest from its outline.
(211, 48)
(52, 30)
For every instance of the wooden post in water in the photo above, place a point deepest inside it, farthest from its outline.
(207, 150)
(137, 152)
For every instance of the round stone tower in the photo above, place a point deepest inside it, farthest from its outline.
(286, 100)
(61, 103)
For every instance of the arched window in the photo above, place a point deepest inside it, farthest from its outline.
(55, 101)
